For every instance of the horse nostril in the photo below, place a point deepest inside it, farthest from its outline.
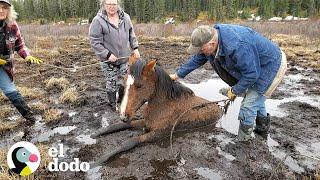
(123, 118)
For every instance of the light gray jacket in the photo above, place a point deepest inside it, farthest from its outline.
(106, 39)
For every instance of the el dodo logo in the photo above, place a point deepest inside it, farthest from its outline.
(23, 158)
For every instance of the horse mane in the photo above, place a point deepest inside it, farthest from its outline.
(164, 84)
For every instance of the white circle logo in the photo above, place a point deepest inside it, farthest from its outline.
(23, 158)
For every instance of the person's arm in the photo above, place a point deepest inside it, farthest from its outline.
(247, 60)
(96, 40)
(19, 45)
(194, 62)
(132, 36)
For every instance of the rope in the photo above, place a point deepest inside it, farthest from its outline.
(226, 101)
(74, 69)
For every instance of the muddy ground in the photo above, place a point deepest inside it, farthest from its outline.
(292, 149)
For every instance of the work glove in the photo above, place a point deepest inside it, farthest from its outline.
(33, 60)
(228, 92)
(174, 77)
(2, 62)
(231, 95)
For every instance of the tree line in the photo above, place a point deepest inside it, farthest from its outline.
(158, 10)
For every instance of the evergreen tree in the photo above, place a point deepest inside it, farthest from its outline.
(157, 10)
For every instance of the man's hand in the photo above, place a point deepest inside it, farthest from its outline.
(174, 77)
(136, 53)
(2, 62)
(231, 95)
(33, 60)
(112, 58)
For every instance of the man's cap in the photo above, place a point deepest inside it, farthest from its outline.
(5, 1)
(200, 36)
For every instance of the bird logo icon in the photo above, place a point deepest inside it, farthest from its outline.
(23, 158)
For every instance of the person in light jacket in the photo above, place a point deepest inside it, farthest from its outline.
(112, 37)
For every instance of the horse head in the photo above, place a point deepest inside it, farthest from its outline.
(132, 59)
(139, 88)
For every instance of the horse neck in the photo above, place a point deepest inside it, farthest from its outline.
(162, 98)
(159, 97)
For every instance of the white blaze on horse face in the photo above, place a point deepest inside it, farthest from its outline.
(130, 81)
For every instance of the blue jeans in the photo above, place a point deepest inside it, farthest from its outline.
(6, 85)
(253, 105)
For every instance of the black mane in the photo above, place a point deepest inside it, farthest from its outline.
(172, 89)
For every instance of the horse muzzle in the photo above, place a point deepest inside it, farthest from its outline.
(125, 118)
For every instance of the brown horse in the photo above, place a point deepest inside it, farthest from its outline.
(169, 104)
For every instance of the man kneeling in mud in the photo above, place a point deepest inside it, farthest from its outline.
(248, 62)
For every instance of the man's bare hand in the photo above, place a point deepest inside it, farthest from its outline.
(174, 77)
(113, 58)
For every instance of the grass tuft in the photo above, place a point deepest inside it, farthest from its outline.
(31, 93)
(52, 115)
(69, 96)
(57, 83)
(5, 112)
(39, 107)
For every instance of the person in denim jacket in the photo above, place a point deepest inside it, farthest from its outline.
(247, 61)
(11, 41)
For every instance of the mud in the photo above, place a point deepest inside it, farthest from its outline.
(290, 151)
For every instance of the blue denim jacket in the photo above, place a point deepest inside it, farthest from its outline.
(247, 56)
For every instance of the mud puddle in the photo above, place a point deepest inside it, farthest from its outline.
(48, 135)
(209, 173)
(229, 122)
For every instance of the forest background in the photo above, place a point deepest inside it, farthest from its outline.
(157, 11)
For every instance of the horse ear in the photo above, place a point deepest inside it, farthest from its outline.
(132, 59)
(149, 67)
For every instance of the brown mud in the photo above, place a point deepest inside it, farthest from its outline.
(291, 150)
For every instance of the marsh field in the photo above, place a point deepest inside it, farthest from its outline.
(71, 104)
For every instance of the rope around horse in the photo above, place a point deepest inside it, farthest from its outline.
(226, 101)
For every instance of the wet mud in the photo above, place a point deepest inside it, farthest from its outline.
(290, 151)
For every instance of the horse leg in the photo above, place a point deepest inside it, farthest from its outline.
(118, 127)
(127, 145)
(138, 124)
(111, 129)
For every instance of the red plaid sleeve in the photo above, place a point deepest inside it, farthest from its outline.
(19, 45)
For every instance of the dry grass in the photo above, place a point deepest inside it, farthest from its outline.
(6, 126)
(31, 93)
(57, 83)
(2, 97)
(39, 107)
(299, 49)
(317, 174)
(69, 96)
(5, 112)
(52, 115)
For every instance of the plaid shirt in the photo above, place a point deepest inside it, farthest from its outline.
(14, 40)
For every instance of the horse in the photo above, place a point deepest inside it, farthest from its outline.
(167, 105)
